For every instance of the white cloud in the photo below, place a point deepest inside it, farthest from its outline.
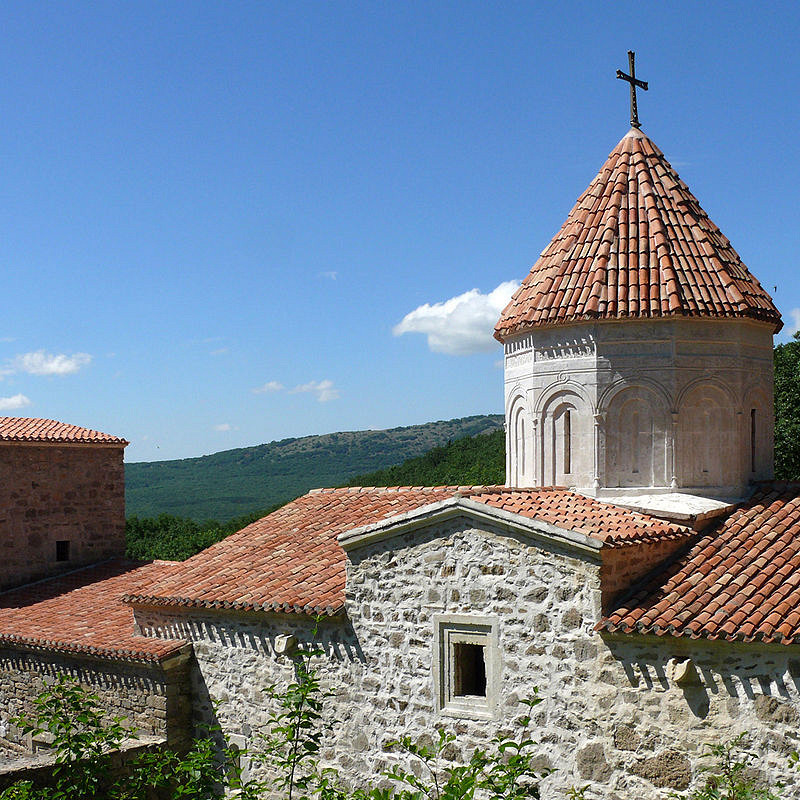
(324, 390)
(331, 275)
(461, 325)
(220, 351)
(795, 326)
(224, 426)
(270, 387)
(42, 363)
(14, 402)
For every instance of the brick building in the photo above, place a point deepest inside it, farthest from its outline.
(62, 498)
(652, 596)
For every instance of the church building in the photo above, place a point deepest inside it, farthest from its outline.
(640, 568)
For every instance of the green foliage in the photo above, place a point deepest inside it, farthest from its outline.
(473, 460)
(81, 739)
(178, 538)
(235, 482)
(84, 742)
(787, 410)
(296, 732)
(506, 772)
(728, 776)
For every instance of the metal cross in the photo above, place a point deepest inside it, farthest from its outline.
(634, 82)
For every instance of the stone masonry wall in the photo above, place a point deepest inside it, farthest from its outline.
(154, 701)
(613, 714)
(51, 493)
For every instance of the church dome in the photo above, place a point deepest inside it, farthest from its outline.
(637, 245)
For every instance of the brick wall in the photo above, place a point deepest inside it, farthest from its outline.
(53, 493)
(624, 565)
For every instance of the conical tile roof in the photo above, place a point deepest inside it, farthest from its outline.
(637, 244)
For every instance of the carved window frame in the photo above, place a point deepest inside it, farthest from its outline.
(451, 630)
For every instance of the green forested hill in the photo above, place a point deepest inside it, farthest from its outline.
(248, 479)
(474, 460)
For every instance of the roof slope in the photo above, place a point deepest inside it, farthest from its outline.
(740, 582)
(291, 561)
(30, 429)
(636, 244)
(82, 612)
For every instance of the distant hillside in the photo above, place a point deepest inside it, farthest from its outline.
(248, 479)
(474, 460)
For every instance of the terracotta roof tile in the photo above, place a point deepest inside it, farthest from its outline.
(82, 612)
(30, 429)
(636, 244)
(741, 581)
(291, 560)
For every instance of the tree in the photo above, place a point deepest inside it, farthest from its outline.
(787, 409)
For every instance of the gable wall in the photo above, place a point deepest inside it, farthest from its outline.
(612, 715)
(51, 493)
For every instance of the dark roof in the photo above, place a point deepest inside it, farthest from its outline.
(637, 244)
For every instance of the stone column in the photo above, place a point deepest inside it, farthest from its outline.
(542, 447)
(599, 420)
(672, 450)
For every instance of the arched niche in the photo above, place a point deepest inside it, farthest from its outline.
(520, 444)
(708, 445)
(566, 439)
(636, 429)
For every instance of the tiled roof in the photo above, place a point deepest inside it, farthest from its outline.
(636, 244)
(30, 429)
(291, 561)
(82, 612)
(739, 582)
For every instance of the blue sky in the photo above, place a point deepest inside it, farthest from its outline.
(215, 216)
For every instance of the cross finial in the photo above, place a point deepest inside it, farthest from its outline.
(634, 82)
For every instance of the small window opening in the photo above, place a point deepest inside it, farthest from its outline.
(635, 442)
(470, 670)
(567, 442)
(62, 550)
(752, 440)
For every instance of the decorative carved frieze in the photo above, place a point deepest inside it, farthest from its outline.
(576, 348)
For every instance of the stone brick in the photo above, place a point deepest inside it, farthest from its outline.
(668, 770)
(592, 764)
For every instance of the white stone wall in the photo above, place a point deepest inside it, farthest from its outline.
(662, 403)
(611, 715)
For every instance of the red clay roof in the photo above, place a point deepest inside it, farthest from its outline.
(636, 244)
(739, 582)
(30, 429)
(82, 612)
(291, 561)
